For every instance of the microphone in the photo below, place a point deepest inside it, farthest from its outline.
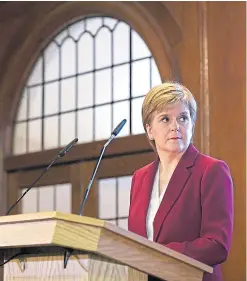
(67, 147)
(119, 127)
(114, 133)
(60, 155)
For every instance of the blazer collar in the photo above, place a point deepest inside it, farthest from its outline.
(177, 182)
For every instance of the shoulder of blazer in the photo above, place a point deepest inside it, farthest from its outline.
(206, 161)
(210, 167)
(142, 171)
(140, 175)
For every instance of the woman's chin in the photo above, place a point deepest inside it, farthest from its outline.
(175, 148)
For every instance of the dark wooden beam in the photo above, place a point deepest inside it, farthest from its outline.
(81, 152)
(115, 167)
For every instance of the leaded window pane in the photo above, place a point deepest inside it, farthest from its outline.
(91, 75)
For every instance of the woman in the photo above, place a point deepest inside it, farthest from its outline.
(184, 199)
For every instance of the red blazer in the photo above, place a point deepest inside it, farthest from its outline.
(195, 216)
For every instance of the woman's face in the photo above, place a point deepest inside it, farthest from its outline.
(171, 129)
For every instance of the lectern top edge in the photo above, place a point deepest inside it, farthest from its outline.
(106, 226)
(50, 216)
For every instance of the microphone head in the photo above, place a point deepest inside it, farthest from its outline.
(68, 147)
(119, 127)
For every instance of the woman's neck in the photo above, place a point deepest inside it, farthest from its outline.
(169, 161)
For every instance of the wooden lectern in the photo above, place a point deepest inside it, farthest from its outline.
(101, 251)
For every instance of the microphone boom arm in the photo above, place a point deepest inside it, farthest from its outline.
(93, 176)
(60, 155)
(32, 184)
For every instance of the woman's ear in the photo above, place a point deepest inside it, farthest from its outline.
(149, 131)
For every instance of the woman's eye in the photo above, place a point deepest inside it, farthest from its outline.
(183, 118)
(165, 119)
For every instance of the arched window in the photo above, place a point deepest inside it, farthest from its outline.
(90, 76)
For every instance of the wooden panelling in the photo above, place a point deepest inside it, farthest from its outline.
(124, 165)
(176, 10)
(169, 25)
(81, 152)
(227, 87)
(113, 167)
(187, 53)
(13, 192)
(56, 175)
(203, 99)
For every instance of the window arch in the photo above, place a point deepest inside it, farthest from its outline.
(94, 73)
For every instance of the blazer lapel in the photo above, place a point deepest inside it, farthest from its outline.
(177, 182)
(147, 186)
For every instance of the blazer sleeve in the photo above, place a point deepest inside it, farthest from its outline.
(217, 218)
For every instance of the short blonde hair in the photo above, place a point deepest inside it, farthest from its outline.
(164, 94)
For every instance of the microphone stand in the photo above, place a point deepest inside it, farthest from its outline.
(93, 175)
(31, 185)
(69, 251)
(115, 132)
(60, 155)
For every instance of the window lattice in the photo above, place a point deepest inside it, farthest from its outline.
(91, 75)
(114, 194)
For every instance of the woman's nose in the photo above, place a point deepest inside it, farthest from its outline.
(175, 126)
